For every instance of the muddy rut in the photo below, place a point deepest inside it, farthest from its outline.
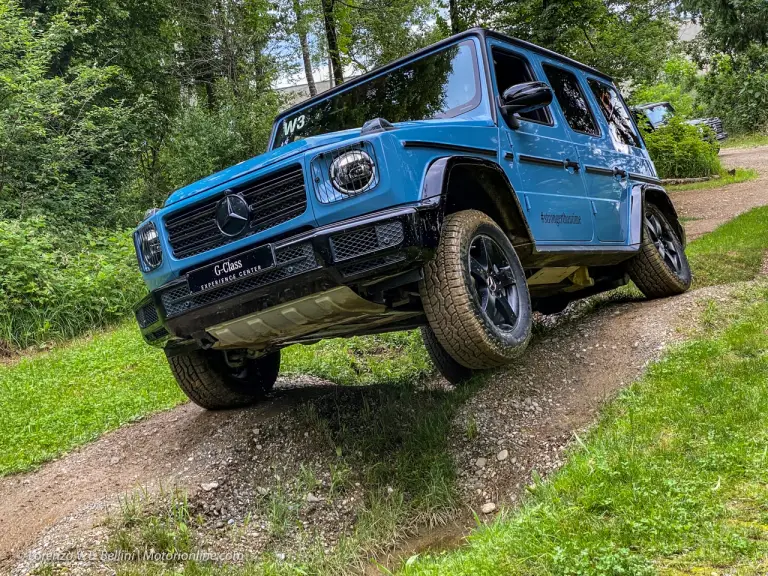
(525, 417)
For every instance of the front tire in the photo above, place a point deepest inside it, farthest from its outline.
(451, 370)
(475, 294)
(661, 268)
(211, 382)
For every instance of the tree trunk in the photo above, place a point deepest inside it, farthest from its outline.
(333, 42)
(301, 29)
(453, 9)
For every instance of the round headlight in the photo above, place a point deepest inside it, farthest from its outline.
(353, 172)
(148, 248)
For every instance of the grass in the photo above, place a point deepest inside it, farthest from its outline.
(733, 252)
(673, 479)
(384, 359)
(726, 179)
(746, 141)
(56, 401)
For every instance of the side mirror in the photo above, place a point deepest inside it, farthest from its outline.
(525, 97)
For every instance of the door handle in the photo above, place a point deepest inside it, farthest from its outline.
(619, 172)
(571, 164)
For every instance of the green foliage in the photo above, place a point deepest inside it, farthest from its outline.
(66, 142)
(680, 150)
(630, 41)
(730, 26)
(203, 141)
(673, 476)
(736, 89)
(53, 287)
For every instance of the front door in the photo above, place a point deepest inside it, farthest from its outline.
(541, 163)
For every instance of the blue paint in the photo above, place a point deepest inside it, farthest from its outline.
(565, 207)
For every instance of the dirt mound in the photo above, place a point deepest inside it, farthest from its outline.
(237, 466)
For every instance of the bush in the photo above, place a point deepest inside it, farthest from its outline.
(680, 150)
(677, 85)
(54, 288)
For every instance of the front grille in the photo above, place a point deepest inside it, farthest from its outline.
(272, 200)
(367, 240)
(289, 261)
(146, 315)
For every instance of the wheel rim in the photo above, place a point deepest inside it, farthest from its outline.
(665, 240)
(496, 288)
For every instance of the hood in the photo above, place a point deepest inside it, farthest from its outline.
(257, 163)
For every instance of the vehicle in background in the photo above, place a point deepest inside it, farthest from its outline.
(657, 114)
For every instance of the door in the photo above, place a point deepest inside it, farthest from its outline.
(604, 176)
(542, 163)
(609, 167)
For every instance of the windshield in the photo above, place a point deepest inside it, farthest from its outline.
(440, 85)
(658, 114)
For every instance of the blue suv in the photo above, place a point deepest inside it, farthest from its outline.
(456, 190)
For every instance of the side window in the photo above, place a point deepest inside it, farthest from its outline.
(511, 70)
(572, 100)
(615, 112)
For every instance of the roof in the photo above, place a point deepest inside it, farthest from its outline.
(474, 32)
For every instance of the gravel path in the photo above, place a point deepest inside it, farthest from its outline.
(524, 417)
(715, 206)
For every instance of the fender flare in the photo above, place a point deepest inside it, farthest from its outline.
(436, 185)
(657, 195)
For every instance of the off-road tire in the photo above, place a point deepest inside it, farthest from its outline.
(451, 370)
(449, 297)
(650, 273)
(206, 379)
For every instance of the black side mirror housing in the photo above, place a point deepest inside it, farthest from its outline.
(525, 97)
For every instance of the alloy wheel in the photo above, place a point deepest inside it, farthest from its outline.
(660, 233)
(495, 285)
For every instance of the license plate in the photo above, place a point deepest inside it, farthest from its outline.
(231, 270)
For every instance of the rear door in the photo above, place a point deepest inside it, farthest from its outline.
(541, 161)
(602, 167)
(610, 170)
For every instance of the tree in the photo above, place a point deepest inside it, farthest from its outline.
(301, 32)
(630, 40)
(453, 10)
(67, 144)
(731, 25)
(331, 36)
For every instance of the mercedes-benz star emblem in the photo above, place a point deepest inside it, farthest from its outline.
(232, 214)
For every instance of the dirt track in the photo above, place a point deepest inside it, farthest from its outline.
(718, 205)
(531, 410)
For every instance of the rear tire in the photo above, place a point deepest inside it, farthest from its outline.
(210, 382)
(661, 268)
(451, 370)
(475, 294)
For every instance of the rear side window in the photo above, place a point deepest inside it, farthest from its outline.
(512, 70)
(615, 112)
(572, 100)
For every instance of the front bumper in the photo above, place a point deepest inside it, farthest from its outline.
(351, 253)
